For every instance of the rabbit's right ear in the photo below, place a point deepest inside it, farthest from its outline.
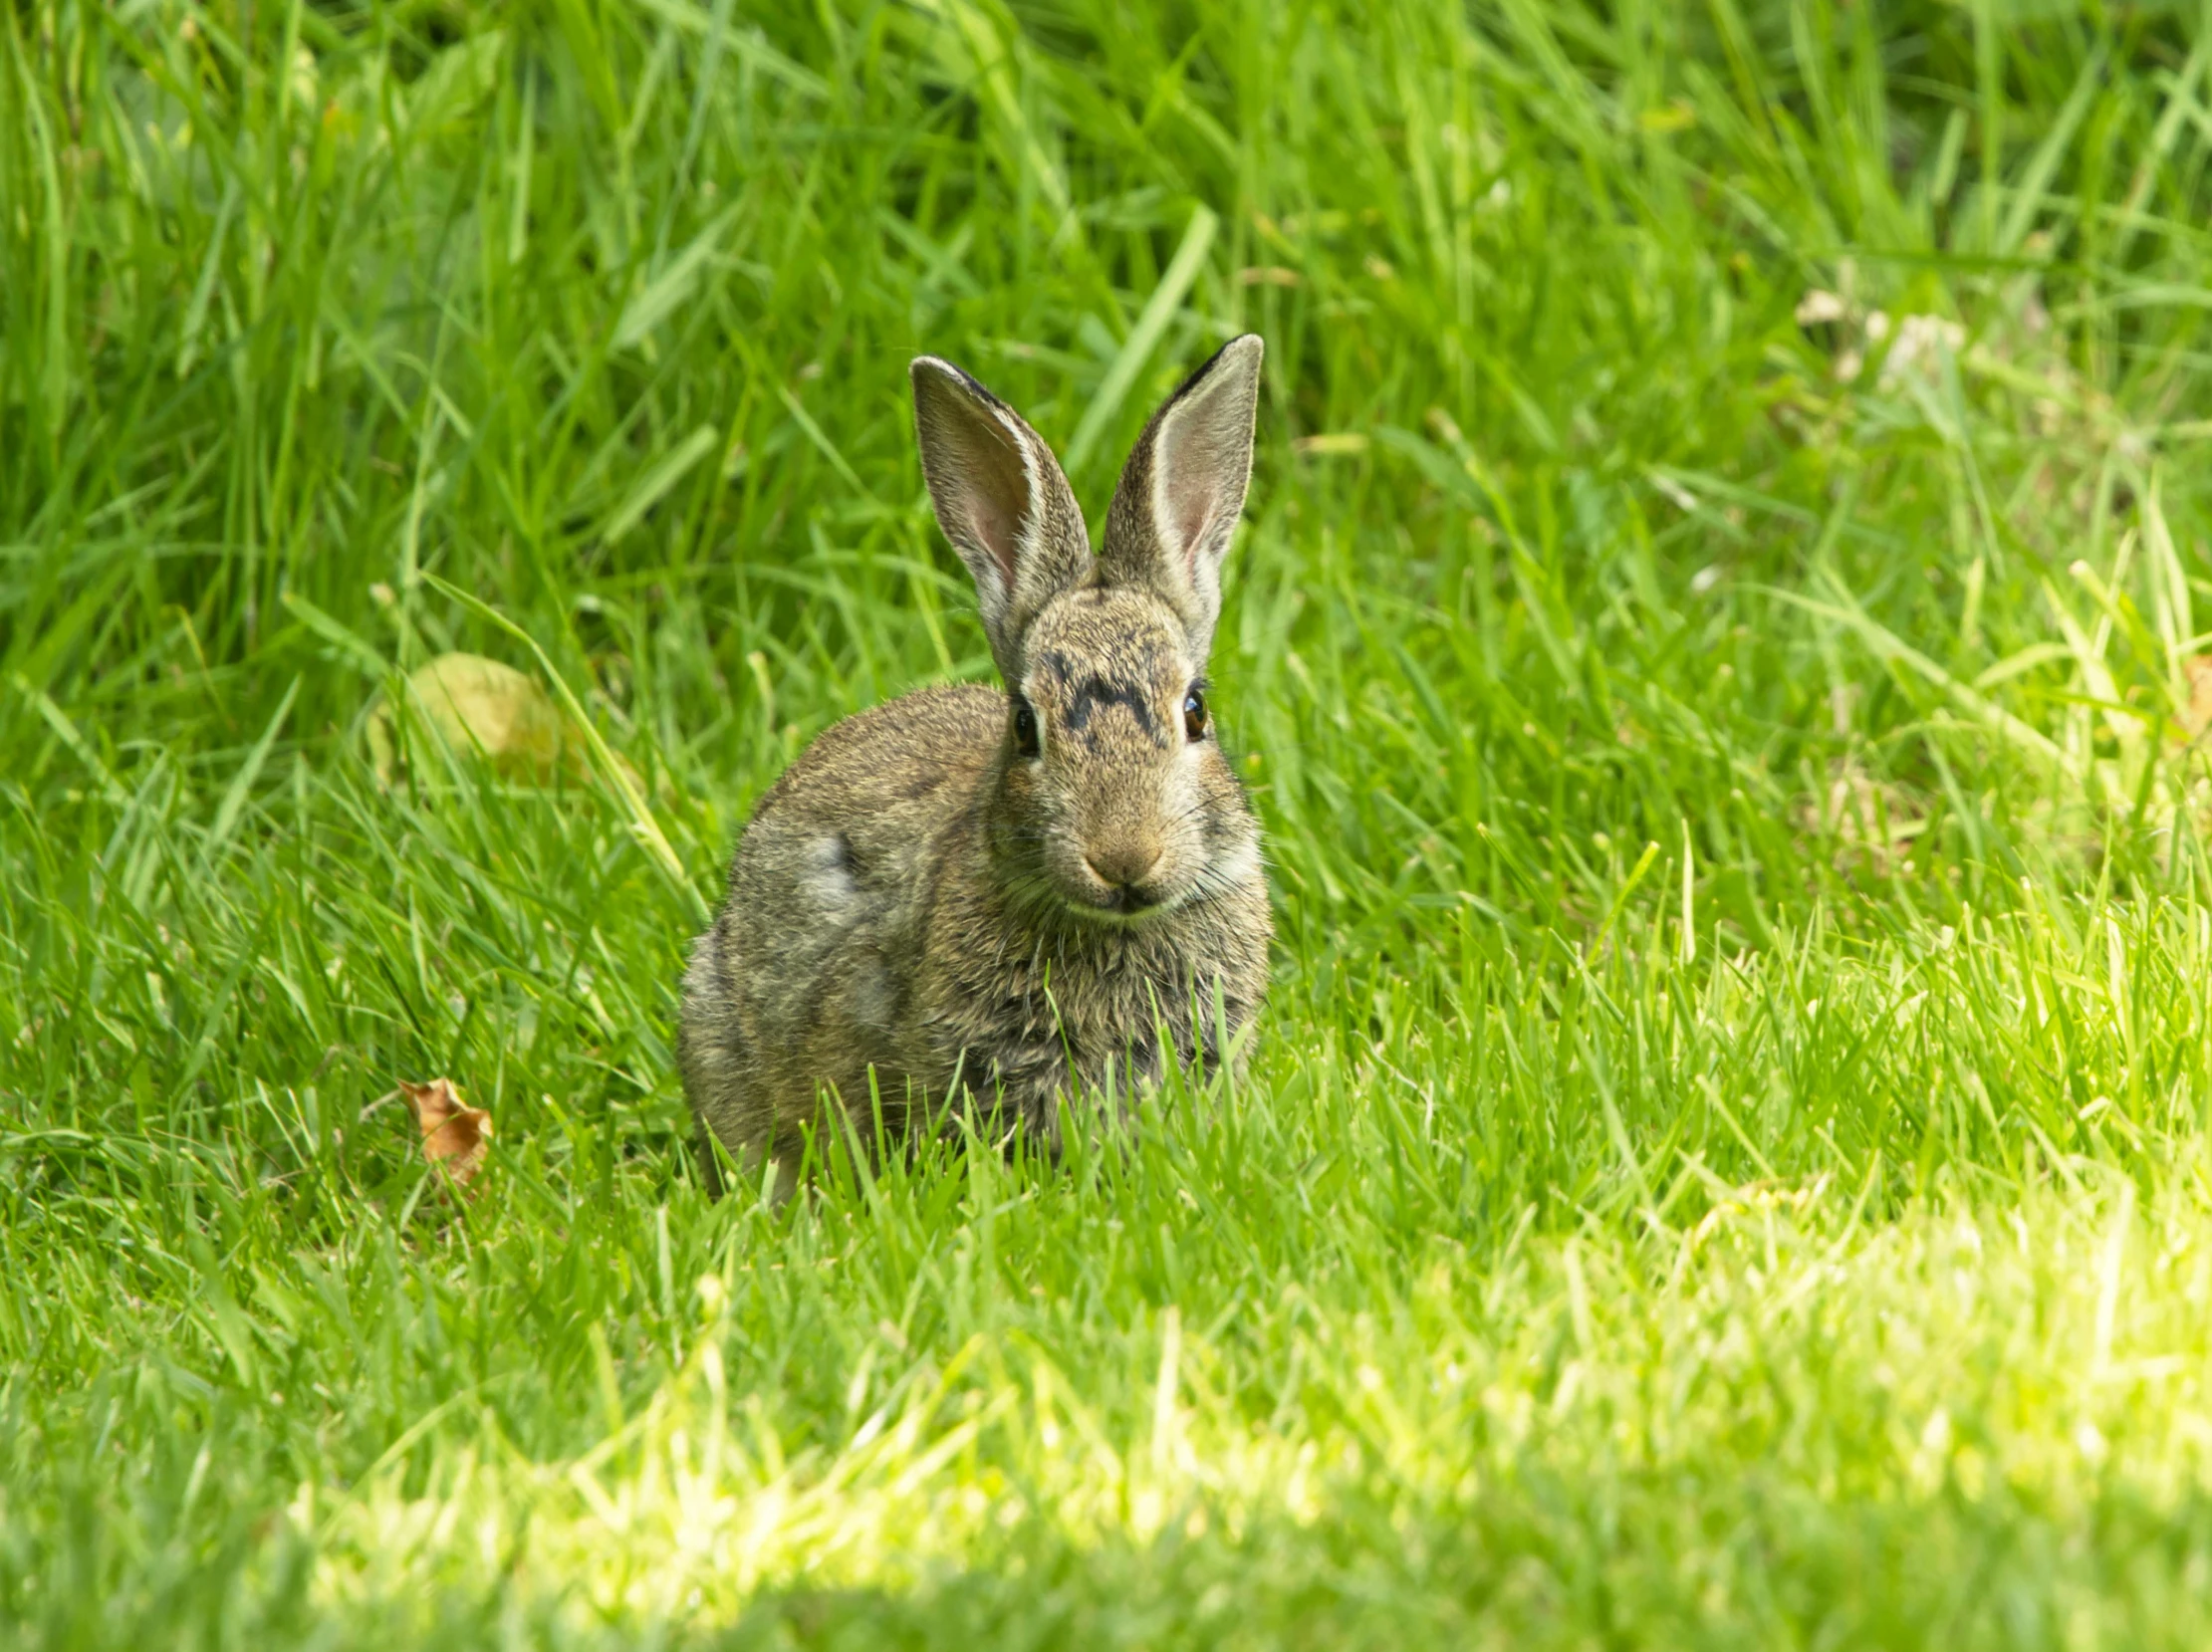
(1000, 500)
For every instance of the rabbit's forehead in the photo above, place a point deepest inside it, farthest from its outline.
(1105, 645)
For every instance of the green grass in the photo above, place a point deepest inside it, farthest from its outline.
(1728, 1159)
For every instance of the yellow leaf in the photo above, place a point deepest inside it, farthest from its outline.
(483, 707)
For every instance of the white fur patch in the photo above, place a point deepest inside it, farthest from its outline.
(1240, 865)
(875, 1000)
(829, 876)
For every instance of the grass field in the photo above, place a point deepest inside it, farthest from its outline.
(1719, 645)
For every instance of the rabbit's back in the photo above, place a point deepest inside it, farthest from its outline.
(806, 976)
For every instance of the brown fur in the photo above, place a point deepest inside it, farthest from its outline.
(923, 912)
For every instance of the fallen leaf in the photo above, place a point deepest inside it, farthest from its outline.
(2198, 718)
(483, 707)
(475, 705)
(455, 1135)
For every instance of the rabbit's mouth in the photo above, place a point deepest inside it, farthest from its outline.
(1125, 905)
(1128, 900)
(1124, 877)
(1114, 906)
(1079, 892)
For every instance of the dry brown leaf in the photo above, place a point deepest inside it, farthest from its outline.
(482, 706)
(455, 1135)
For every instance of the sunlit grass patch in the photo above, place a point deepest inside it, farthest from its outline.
(1857, 1392)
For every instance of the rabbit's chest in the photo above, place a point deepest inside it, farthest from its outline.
(1099, 1010)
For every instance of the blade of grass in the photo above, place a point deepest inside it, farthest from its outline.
(1174, 284)
(611, 774)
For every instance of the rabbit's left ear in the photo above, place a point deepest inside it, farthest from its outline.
(1183, 490)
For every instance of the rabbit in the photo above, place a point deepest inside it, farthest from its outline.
(995, 899)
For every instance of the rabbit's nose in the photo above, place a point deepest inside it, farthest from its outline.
(1122, 865)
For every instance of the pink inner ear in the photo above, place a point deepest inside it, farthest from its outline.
(1001, 496)
(974, 456)
(1191, 517)
(1194, 490)
(995, 528)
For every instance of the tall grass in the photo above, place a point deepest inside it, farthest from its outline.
(1719, 646)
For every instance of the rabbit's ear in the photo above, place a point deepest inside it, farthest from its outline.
(1001, 499)
(1183, 490)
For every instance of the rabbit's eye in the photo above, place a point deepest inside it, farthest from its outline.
(1194, 715)
(1025, 729)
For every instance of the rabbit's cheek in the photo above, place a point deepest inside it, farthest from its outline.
(1185, 807)
(1240, 865)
